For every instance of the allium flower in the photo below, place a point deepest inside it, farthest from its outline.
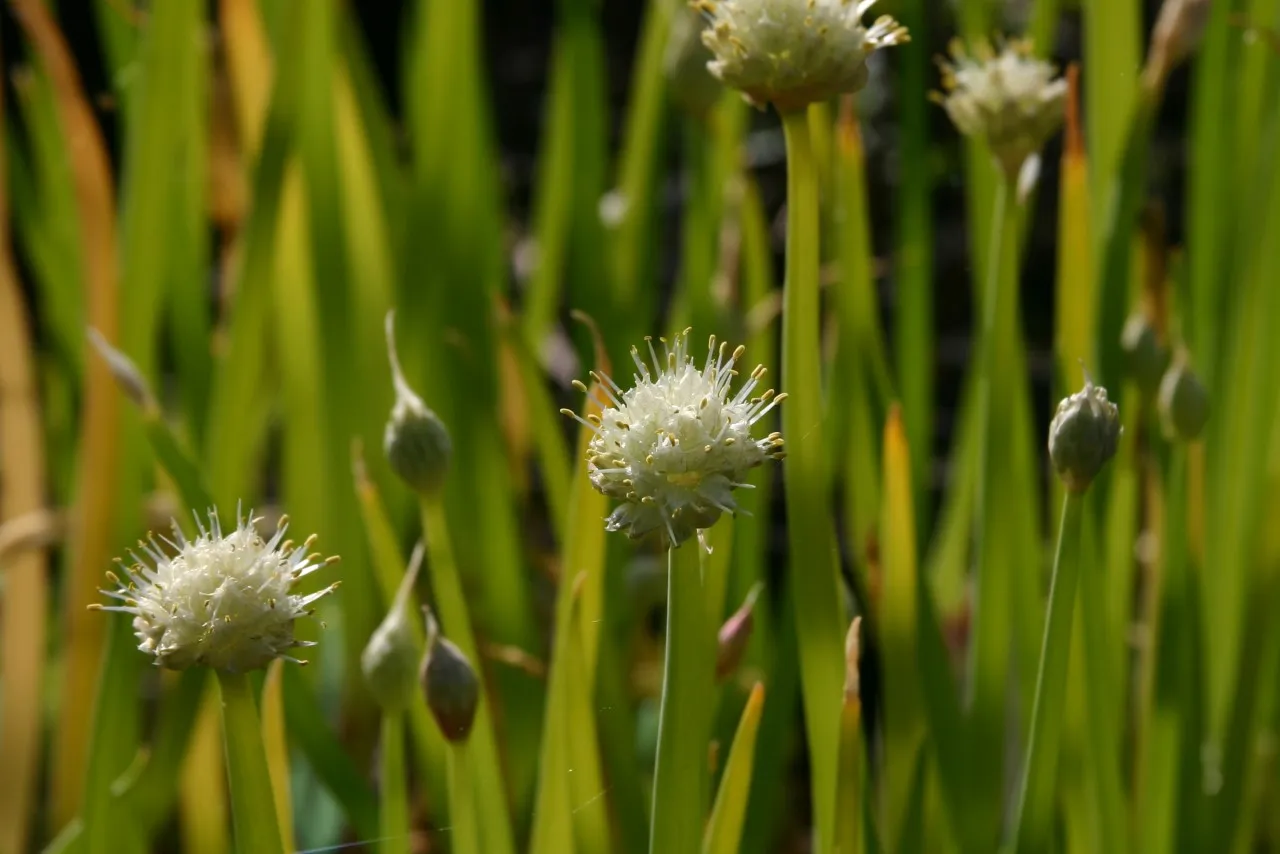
(793, 52)
(1010, 99)
(675, 446)
(220, 601)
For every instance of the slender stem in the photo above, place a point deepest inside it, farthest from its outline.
(993, 598)
(395, 806)
(1033, 817)
(1099, 697)
(252, 801)
(489, 804)
(680, 778)
(463, 827)
(820, 621)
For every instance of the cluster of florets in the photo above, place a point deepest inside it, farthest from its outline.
(675, 446)
(223, 601)
(791, 53)
(1007, 97)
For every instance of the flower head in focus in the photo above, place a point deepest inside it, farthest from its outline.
(222, 601)
(675, 446)
(1009, 98)
(793, 52)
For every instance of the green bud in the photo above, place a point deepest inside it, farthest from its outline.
(450, 684)
(390, 659)
(1146, 358)
(1084, 434)
(1183, 401)
(416, 441)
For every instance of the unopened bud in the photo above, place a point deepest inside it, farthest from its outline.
(1183, 401)
(1177, 34)
(390, 659)
(1146, 358)
(852, 655)
(450, 683)
(1084, 434)
(125, 372)
(416, 441)
(735, 634)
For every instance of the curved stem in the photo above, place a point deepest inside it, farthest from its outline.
(820, 624)
(680, 777)
(252, 801)
(1032, 820)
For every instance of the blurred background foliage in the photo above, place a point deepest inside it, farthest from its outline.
(235, 193)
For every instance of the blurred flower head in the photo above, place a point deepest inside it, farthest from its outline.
(222, 601)
(675, 446)
(1008, 98)
(793, 52)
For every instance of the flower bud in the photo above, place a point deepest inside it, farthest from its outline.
(1183, 401)
(450, 684)
(852, 657)
(1177, 34)
(1084, 434)
(390, 659)
(1145, 356)
(735, 634)
(416, 441)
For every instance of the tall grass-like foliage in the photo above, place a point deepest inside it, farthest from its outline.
(912, 609)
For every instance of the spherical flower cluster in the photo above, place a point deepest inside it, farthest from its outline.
(219, 601)
(675, 446)
(1010, 99)
(1083, 436)
(793, 52)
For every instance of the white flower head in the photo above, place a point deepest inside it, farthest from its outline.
(675, 446)
(1008, 98)
(222, 601)
(793, 52)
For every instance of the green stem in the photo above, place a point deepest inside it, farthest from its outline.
(489, 789)
(1035, 800)
(819, 613)
(252, 801)
(463, 827)
(680, 777)
(395, 806)
(1099, 697)
(994, 590)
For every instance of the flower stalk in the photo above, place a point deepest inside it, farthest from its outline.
(819, 621)
(1033, 816)
(680, 781)
(997, 337)
(394, 813)
(252, 802)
